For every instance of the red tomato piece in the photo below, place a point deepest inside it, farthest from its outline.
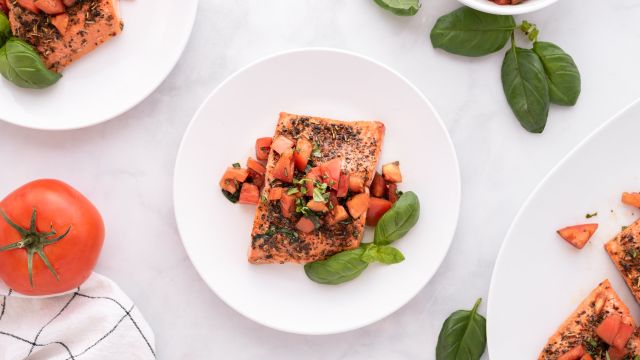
(256, 179)
(608, 328)
(331, 172)
(378, 187)
(287, 205)
(249, 194)
(343, 185)
(631, 198)
(72, 252)
(616, 353)
(275, 193)
(578, 235)
(282, 144)
(61, 22)
(51, 7)
(356, 183)
(392, 192)
(339, 213)
(3, 7)
(574, 354)
(231, 177)
(263, 146)
(68, 3)
(256, 166)
(586, 356)
(624, 334)
(358, 205)
(391, 172)
(311, 177)
(317, 206)
(29, 5)
(302, 154)
(283, 170)
(377, 208)
(307, 224)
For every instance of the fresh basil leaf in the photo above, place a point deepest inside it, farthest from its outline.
(5, 28)
(397, 222)
(337, 269)
(469, 32)
(370, 254)
(400, 7)
(463, 336)
(389, 255)
(21, 64)
(562, 73)
(525, 86)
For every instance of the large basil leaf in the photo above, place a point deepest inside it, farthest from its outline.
(562, 73)
(397, 222)
(21, 64)
(400, 7)
(339, 268)
(463, 336)
(470, 32)
(525, 86)
(5, 28)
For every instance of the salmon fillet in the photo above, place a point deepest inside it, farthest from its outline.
(624, 251)
(579, 328)
(274, 236)
(91, 23)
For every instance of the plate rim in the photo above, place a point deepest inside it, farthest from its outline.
(611, 120)
(114, 114)
(456, 163)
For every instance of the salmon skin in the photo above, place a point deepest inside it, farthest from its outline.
(91, 23)
(624, 251)
(580, 327)
(274, 238)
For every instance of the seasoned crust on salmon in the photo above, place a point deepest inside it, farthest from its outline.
(274, 238)
(90, 24)
(580, 327)
(624, 251)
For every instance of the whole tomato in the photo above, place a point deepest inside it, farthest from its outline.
(50, 238)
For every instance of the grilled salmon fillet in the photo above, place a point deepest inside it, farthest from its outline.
(624, 251)
(580, 327)
(90, 24)
(274, 236)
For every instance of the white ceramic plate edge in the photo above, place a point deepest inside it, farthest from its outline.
(441, 124)
(525, 205)
(522, 8)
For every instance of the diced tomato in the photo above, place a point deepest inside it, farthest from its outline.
(632, 198)
(302, 154)
(249, 194)
(256, 166)
(622, 337)
(358, 205)
(377, 208)
(356, 183)
(50, 7)
(616, 353)
(578, 235)
(608, 328)
(574, 354)
(231, 177)
(68, 3)
(391, 172)
(282, 144)
(343, 185)
(307, 224)
(287, 205)
(331, 172)
(317, 206)
(339, 213)
(586, 356)
(263, 145)
(256, 178)
(3, 7)
(378, 187)
(312, 176)
(283, 170)
(29, 5)
(275, 193)
(61, 22)
(392, 192)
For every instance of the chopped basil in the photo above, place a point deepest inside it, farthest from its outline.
(589, 216)
(316, 150)
(318, 195)
(292, 191)
(624, 228)
(236, 165)
(231, 197)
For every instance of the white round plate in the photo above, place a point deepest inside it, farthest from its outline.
(114, 77)
(524, 7)
(539, 279)
(328, 83)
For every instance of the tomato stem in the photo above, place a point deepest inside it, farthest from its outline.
(34, 242)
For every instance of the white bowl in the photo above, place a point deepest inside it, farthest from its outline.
(524, 7)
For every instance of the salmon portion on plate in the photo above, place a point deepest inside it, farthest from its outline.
(624, 251)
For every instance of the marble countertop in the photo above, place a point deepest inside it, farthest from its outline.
(125, 166)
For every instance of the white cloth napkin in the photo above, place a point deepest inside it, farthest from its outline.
(96, 321)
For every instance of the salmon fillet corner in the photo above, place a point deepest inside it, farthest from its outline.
(624, 251)
(91, 23)
(274, 238)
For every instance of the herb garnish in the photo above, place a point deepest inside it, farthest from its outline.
(292, 191)
(463, 335)
(236, 165)
(316, 150)
(589, 216)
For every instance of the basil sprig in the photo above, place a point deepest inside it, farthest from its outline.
(5, 28)
(22, 65)
(532, 79)
(463, 336)
(400, 7)
(348, 265)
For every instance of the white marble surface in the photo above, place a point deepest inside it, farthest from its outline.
(125, 166)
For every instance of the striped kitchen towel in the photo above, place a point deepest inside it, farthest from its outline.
(96, 321)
